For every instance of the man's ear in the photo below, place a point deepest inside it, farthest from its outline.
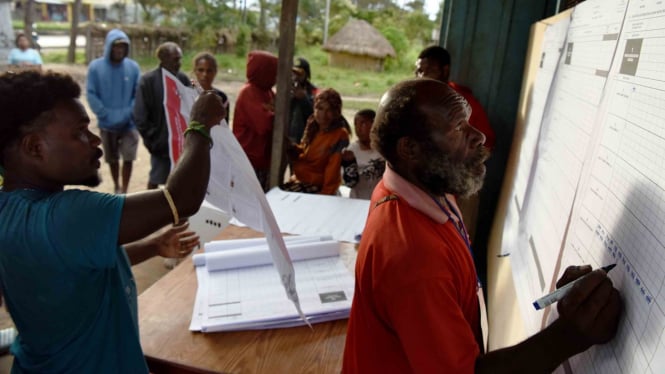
(445, 73)
(32, 146)
(407, 148)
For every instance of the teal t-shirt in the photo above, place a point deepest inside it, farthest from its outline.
(67, 284)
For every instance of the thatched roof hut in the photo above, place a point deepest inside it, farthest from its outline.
(358, 45)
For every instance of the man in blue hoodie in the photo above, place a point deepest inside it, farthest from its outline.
(112, 82)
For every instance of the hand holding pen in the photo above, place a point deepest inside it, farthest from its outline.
(589, 312)
(565, 284)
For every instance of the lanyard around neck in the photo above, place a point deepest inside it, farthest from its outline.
(459, 225)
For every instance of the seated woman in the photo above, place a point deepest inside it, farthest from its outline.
(23, 55)
(317, 159)
(205, 70)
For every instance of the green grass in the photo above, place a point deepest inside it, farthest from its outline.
(46, 26)
(349, 82)
(60, 56)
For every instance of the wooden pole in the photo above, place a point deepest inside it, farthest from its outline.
(287, 37)
(73, 33)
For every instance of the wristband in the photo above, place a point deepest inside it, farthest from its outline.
(174, 210)
(199, 128)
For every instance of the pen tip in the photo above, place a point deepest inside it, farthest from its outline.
(609, 267)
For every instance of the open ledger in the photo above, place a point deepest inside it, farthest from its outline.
(239, 289)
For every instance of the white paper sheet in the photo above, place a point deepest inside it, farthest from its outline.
(233, 186)
(620, 215)
(260, 255)
(310, 214)
(568, 129)
(223, 245)
(249, 297)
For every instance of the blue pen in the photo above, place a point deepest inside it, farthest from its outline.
(560, 293)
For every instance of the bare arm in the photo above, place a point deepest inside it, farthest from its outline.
(145, 212)
(171, 242)
(588, 315)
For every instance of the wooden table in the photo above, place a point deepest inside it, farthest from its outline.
(165, 311)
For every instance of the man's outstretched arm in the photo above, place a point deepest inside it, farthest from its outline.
(588, 315)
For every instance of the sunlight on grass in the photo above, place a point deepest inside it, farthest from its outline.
(60, 56)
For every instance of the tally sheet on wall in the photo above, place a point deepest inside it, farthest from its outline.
(552, 47)
(563, 145)
(525, 272)
(619, 216)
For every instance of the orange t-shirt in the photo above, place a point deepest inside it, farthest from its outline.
(415, 308)
(319, 163)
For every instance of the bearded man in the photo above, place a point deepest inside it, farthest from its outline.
(416, 307)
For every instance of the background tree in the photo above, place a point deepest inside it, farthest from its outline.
(73, 32)
(148, 10)
(28, 9)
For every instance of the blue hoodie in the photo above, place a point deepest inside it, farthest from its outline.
(111, 88)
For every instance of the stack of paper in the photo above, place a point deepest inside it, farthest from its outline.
(239, 288)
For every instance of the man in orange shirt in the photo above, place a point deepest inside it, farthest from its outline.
(434, 62)
(416, 307)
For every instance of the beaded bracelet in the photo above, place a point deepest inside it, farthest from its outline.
(200, 128)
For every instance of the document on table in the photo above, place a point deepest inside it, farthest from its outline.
(310, 214)
(239, 288)
(233, 186)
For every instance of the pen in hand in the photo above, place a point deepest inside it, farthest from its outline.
(560, 293)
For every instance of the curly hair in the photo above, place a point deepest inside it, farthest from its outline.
(207, 56)
(26, 97)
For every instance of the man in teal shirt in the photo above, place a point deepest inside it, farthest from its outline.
(65, 255)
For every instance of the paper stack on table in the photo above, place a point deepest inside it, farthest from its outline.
(239, 288)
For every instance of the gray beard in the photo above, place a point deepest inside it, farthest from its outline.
(442, 175)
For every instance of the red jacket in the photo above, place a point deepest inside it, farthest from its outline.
(254, 111)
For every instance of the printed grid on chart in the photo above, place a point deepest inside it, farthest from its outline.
(652, 59)
(563, 143)
(593, 54)
(643, 323)
(578, 84)
(538, 101)
(647, 108)
(243, 293)
(562, 146)
(636, 215)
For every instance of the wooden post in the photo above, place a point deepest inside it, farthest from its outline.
(73, 33)
(287, 37)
